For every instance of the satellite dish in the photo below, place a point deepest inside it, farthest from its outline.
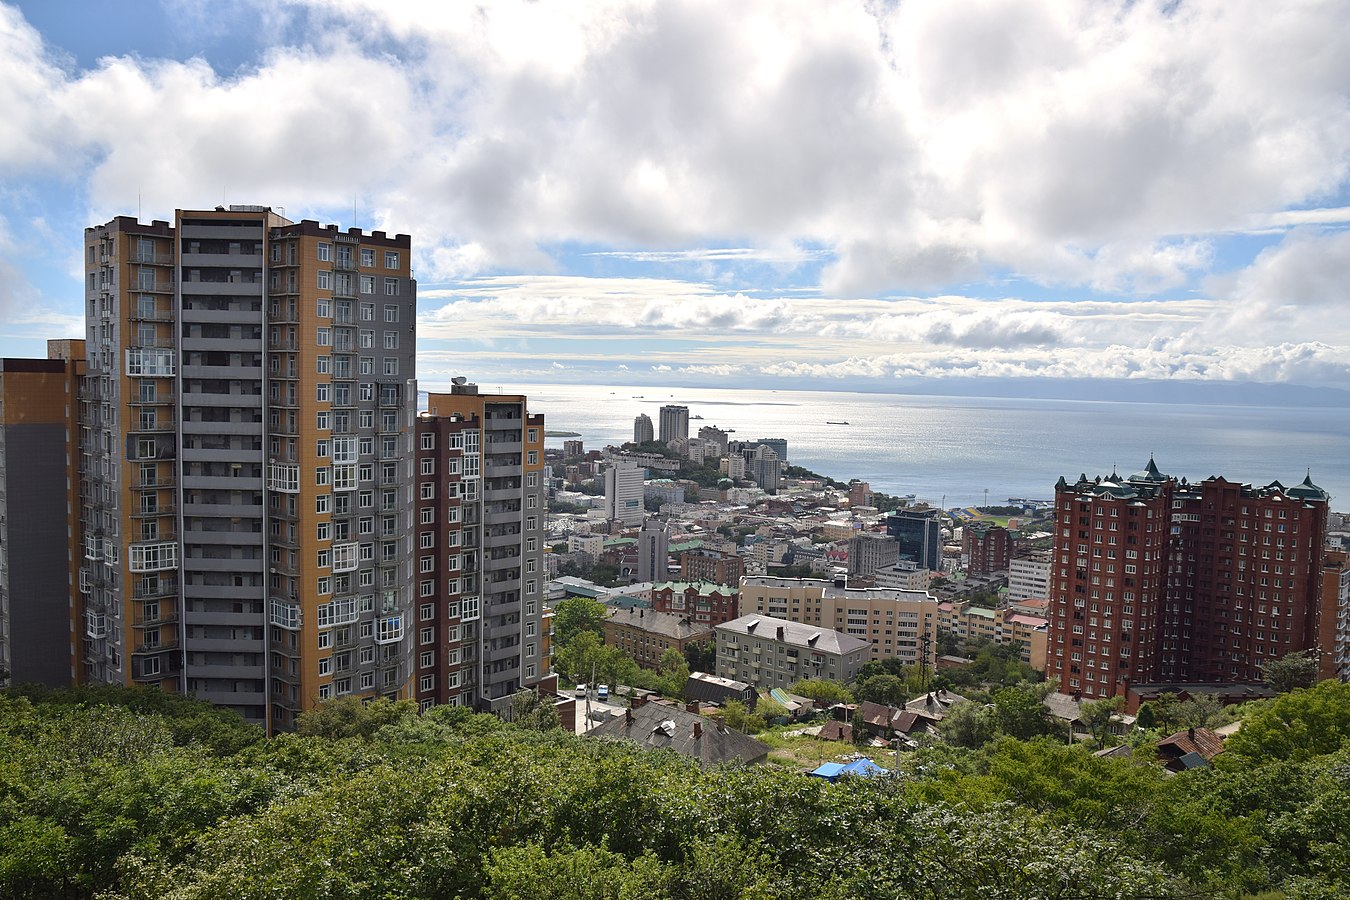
(459, 379)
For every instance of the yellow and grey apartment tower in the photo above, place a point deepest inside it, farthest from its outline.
(39, 400)
(245, 460)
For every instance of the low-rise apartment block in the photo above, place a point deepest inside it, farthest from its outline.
(646, 634)
(769, 652)
(894, 623)
(702, 601)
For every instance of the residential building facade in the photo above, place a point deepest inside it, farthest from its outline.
(894, 623)
(769, 652)
(711, 565)
(643, 432)
(39, 528)
(985, 548)
(645, 634)
(869, 551)
(653, 550)
(1029, 576)
(480, 547)
(673, 423)
(246, 410)
(703, 602)
(1157, 579)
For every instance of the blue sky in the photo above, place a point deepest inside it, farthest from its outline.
(826, 195)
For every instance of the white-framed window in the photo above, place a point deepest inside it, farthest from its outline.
(322, 392)
(323, 364)
(367, 257)
(391, 365)
(325, 251)
(391, 287)
(323, 307)
(325, 280)
(323, 420)
(324, 337)
(391, 340)
(426, 683)
(390, 259)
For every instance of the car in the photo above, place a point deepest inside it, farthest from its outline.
(581, 690)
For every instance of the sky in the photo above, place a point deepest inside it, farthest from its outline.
(836, 194)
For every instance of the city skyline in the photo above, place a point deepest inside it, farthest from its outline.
(829, 196)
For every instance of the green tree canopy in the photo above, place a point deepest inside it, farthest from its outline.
(575, 615)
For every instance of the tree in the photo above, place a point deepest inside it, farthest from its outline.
(701, 656)
(1020, 712)
(574, 615)
(529, 710)
(889, 690)
(1199, 710)
(1096, 715)
(350, 717)
(1291, 671)
(673, 671)
(969, 725)
(1295, 726)
(821, 690)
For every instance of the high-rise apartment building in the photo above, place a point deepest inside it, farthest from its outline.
(246, 486)
(674, 423)
(1158, 580)
(869, 551)
(39, 405)
(480, 534)
(986, 548)
(1029, 576)
(778, 445)
(642, 429)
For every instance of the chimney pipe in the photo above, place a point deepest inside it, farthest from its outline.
(628, 717)
(698, 730)
(780, 632)
(691, 707)
(1190, 733)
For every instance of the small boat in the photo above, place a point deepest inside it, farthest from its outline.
(836, 423)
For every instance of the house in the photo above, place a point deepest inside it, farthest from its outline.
(659, 727)
(835, 730)
(1190, 749)
(934, 705)
(704, 688)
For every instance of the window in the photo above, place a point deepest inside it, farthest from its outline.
(323, 308)
(322, 503)
(428, 516)
(326, 666)
(390, 313)
(368, 257)
(325, 251)
(427, 683)
(321, 364)
(391, 287)
(325, 337)
(428, 491)
(391, 365)
(391, 340)
(367, 340)
(390, 259)
(325, 280)
(321, 392)
(367, 284)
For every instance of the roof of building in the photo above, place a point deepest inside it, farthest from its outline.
(656, 726)
(1029, 621)
(704, 588)
(1200, 741)
(824, 640)
(829, 589)
(934, 704)
(1062, 706)
(664, 624)
(834, 730)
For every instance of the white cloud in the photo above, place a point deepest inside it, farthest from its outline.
(908, 147)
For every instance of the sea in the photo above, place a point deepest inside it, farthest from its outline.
(971, 451)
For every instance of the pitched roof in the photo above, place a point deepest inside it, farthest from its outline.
(812, 637)
(834, 730)
(1193, 740)
(934, 705)
(655, 726)
(665, 624)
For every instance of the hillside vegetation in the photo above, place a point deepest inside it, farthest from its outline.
(128, 794)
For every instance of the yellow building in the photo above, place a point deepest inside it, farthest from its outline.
(895, 623)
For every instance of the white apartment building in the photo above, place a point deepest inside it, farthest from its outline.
(1029, 576)
(769, 652)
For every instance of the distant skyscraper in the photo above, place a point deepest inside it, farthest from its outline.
(674, 423)
(919, 536)
(713, 434)
(763, 465)
(986, 547)
(777, 445)
(623, 494)
(653, 550)
(869, 551)
(573, 448)
(1156, 580)
(642, 429)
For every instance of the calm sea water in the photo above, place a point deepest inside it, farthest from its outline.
(953, 449)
